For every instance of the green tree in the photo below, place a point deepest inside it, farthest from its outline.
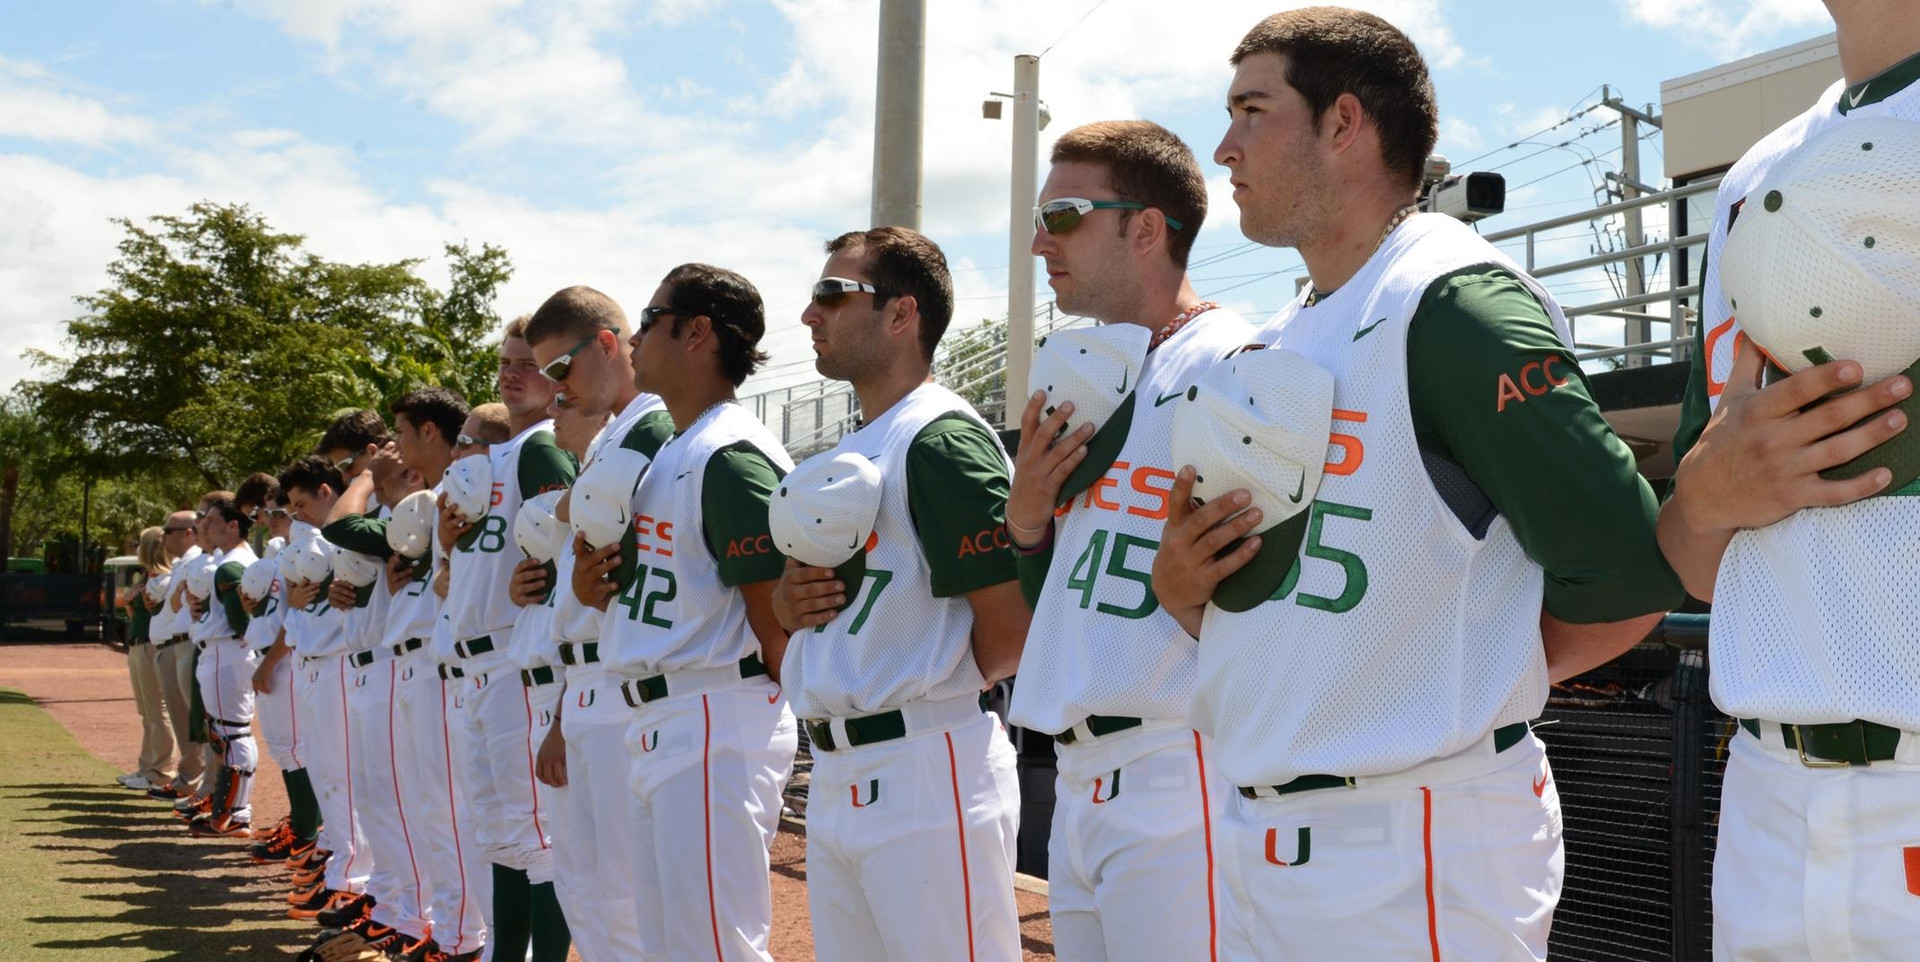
(221, 347)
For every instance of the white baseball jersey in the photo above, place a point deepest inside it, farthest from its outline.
(1401, 638)
(677, 614)
(264, 628)
(366, 625)
(201, 627)
(1100, 643)
(318, 629)
(183, 569)
(897, 643)
(166, 622)
(477, 598)
(216, 622)
(1815, 617)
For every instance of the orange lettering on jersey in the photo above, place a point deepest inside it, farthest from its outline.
(1716, 384)
(989, 539)
(1546, 381)
(664, 530)
(653, 536)
(1143, 478)
(748, 547)
(499, 494)
(1508, 391)
(1352, 452)
(873, 541)
(1094, 498)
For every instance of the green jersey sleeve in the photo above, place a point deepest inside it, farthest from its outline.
(1694, 406)
(363, 533)
(734, 493)
(957, 484)
(543, 466)
(226, 587)
(1493, 388)
(649, 433)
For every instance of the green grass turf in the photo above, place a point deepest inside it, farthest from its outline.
(90, 870)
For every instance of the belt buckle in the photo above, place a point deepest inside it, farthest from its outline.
(1808, 761)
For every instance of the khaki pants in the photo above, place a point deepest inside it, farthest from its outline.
(156, 740)
(175, 664)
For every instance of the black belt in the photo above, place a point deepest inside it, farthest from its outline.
(1836, 745)
(654, 687)
(361, 659)
(535, 677)
(1101, 726)
(449, 672)
(477, 646)
(410, 645)
(1504, 737)
(230, 724)
(583, 654)
(306, 660)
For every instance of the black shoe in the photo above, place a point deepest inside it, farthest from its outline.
(274, 849)
(165, 793)
(346, 914)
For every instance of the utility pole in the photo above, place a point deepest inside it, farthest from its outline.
(898, 105)
(1639, 329)
(1026, 176)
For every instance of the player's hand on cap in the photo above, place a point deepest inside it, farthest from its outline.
(1188, 565)
(399, 574)
(302, 594)
(340, 595)
(591, 566)
(528, 583)
(383, 462)
(1041, 467)
(807, 597)
(550, 763)
(453, 523)
(1759, 458)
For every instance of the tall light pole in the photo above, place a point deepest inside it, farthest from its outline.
(1026, 149)
(898, 104)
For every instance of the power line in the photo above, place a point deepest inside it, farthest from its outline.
(1076, 23)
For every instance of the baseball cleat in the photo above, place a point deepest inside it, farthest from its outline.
(165, 793)
(301, 851)
(311, 910)
(218, 826)
(301, 895)
(272, 849)
(135, 781)
(282, 827)
(345, 914)
(187, 808)
(420, 950)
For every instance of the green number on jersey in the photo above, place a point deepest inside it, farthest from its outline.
(1355, 570)
(672, 590)
(1086, 573)
(630, 598)
(881, 579)
(1089, 561)
(639, 610)
(492, 536)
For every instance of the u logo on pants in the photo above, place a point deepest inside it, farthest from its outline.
(873, 793)
(586, 698)
(1303, 848)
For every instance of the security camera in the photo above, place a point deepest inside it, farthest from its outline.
(1467, 197)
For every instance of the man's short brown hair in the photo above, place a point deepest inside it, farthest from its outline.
(574, 313)
(901, 261)
(516, 329)
(1146, 164)
(1332, 51)
(495, 427)
(259, 490)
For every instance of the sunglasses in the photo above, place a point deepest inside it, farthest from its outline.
(557, 369)
(1063, 214)
(834, 291)
(648, 315)
(171, 529)
(269, 512)
(467, 441)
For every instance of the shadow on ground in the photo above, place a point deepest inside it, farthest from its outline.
(171, 896)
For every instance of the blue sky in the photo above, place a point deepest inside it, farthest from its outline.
(604, 141)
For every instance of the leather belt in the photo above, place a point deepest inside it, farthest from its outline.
(654, 687)
(1837, 745)
(450, 672)
(1098, 726)
(408, 646)
(1504, 737)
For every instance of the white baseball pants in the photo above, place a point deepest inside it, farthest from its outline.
(497, 775)
(225, 674)
(394, 881)
(593, 835)
(458, 880)
(320, 695)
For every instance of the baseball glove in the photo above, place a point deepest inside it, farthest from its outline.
(337, 946)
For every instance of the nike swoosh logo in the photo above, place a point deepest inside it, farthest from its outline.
(1540, 787)
(1853, 100)
(681, 475)
(1165, 398)
(1363, 332)
(1299, 490)
(1124, 376)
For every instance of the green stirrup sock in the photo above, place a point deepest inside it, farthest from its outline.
(304, 805)
(551, 940)
(511, 904)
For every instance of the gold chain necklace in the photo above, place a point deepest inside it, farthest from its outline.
(1399, 217)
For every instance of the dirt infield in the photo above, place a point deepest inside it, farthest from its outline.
(194, 899)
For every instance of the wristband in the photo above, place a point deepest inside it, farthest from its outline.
(1040, 547)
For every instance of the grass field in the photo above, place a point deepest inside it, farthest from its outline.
(91, 870)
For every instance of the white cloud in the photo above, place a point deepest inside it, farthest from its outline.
(34, 105)
(1729, 28)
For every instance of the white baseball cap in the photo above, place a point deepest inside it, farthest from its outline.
(257, 582)
(158, 585)
(309, 561)
(1822, 263)
(1097, 368)
(410, 528)
(822, 514)
(1259, 420)
(601, 508)
(537, 531)
(468, 485)
(354, 568)
(272, 547)
(200, 578)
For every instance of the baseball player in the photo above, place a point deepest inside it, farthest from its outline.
(689, 626)
(258, 497)
(393, 905)
(1370, 658)
(1792, 515)
(224, 671)
(426, 425)
(579, 337)
(170, 651)
(914, 808)
(316, 632)
(1105, 671)
(498, 775)
(195, 561)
